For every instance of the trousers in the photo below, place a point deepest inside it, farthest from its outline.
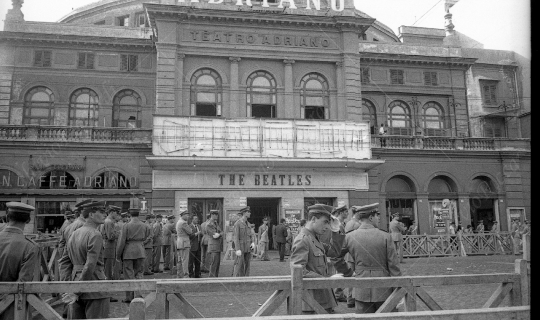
(148, 263)
(89, 309)
(214, 260)
(194, 265)
(109, 268)
(132, 270)
(166, 251)
(204, 262)
(242, 264)
(182, 265)
(281, 249)
(156, 258)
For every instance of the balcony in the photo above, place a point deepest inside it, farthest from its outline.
(261, 138)
(36, 133)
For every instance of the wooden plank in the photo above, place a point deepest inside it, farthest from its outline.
(137, 309)
(21, 311)
(161, 305)
(230, 284)
(310, 300)
(392, 301)
(8, 287)
(184, 306)
(42, 308)
(524, 293)
(410, 299)
(90, 286)
(427, 299)
(297, 290)
(151, 297)
(498, 296)
(271, 305)
(6, 302)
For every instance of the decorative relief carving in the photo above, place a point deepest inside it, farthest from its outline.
(235, 59)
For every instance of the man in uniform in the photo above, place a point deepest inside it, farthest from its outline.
(183, 245)
(514, 231)
(157, 234)
(373, 254)
(84, 261)
(281, 238)
(312, 254)
(263, 240)
(396, 229)
(350, 226)
(215, 238)
(204, 245)
(243, 244)
(131, 249)
(119, 265)
(340, 213)
(110, 236)
(147, 269)
(70, 217)
(194, 264)
(168, 230)
(18, 255)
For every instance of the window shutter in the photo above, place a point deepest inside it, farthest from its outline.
(133, 61)
(124, 62)
(38, 58)
(82, 60)
(46, 58)
(433, 78)
(493, 95)
(90, 61)
(487, 95)
(396, 76)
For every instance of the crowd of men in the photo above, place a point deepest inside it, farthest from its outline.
(98, 242)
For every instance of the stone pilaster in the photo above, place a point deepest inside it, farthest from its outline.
(353, 86)
(341, 111)
(179, 92)
(289, 89)
(234, 92)
(166, 79)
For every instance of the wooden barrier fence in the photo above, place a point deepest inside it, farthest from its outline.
(294, 290)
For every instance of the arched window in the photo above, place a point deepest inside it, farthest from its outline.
(315, 96)
(261, 95)
(369, 114)
(83, 108)
(39, 106)
(110, 180)
(57, 179)
(206, 93)
(399, 118)
(433, 119)
(127, 109)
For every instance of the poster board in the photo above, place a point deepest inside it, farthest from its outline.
(292, 219)
(231, 216)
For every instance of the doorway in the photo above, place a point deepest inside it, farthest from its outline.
(201, 208)
(482, 209)
(261, 208)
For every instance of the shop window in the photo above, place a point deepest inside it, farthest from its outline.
(314, 96)
(42, 58)
(127, 109)
(433, 119)
(57, 179)
(111, 180)
(443, 216)
(83, 108)
(201, 208)
(364, 72)
(489, 92)
(129, 62)
(50, 214)
(399, 118)
(261, 95)
(430, 78)
(206, 93)
(369, 114)
(39, 106)
(403, 207)
(86, 60)
(396, 76)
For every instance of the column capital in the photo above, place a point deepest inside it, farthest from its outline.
(339, 64)
(180, 56)
(288, 62)
(235, 59)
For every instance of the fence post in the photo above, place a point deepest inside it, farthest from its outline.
(297, 290)
(21, 308)
(137, 309)
(521, 268)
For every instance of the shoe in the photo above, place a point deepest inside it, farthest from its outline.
(114, 300)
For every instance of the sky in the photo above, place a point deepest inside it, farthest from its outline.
(480, 19)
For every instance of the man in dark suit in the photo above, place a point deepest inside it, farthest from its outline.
(281, 239)
(194, 264)
(215, 241)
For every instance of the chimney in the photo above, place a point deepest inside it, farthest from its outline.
(15, 14)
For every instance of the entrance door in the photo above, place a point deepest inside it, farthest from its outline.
(405, 209)
(202, 207)
(261, 208)
(482, 209)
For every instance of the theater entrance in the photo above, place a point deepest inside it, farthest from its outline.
(264, 207)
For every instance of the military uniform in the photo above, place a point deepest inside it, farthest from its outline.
(157, 234)
(110, 236)
(312, 254)
(168, 230)
(69, 220)
(214, 246)
(204, 247)
(131, 249)
(183, 245)
(396, 229)
(194, 263)
(242, 241)
(84, 262)
(147, 269)
(18, 255)
(350, 226)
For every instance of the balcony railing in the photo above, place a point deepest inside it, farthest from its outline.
(74, 134)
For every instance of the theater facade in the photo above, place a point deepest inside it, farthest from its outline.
(179, 105)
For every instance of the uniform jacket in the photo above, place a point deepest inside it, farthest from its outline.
(85, 258)
(204, 240)
(281, 233)
(130, 243)
(65, 275)
(311, 254)
(18, 256)
(64, 225)
(183, 231)
(110, 236)
(157, 233)
(242, 236)
(395, 229)
(168, 230)
(374, 255)
(352, 225)
(149, 236)
(195, 240)
(214, 245)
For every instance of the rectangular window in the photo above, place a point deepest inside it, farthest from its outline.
(494, 128)
(489, 92)
(316, 113)
(206, 110)
(365, 75)
(129, 62)
(86, 60)
(141, 20)
(430, 78)
(396, 76)
(42, 58)
(263, 111)
(122, 21)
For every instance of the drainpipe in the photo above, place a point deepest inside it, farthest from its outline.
(467, 104)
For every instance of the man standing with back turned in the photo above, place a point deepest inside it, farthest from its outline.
(281, 239)
(243, 244)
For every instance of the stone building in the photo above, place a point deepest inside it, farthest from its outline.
(175, 105)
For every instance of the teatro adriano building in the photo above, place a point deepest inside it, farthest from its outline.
(202, 105)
